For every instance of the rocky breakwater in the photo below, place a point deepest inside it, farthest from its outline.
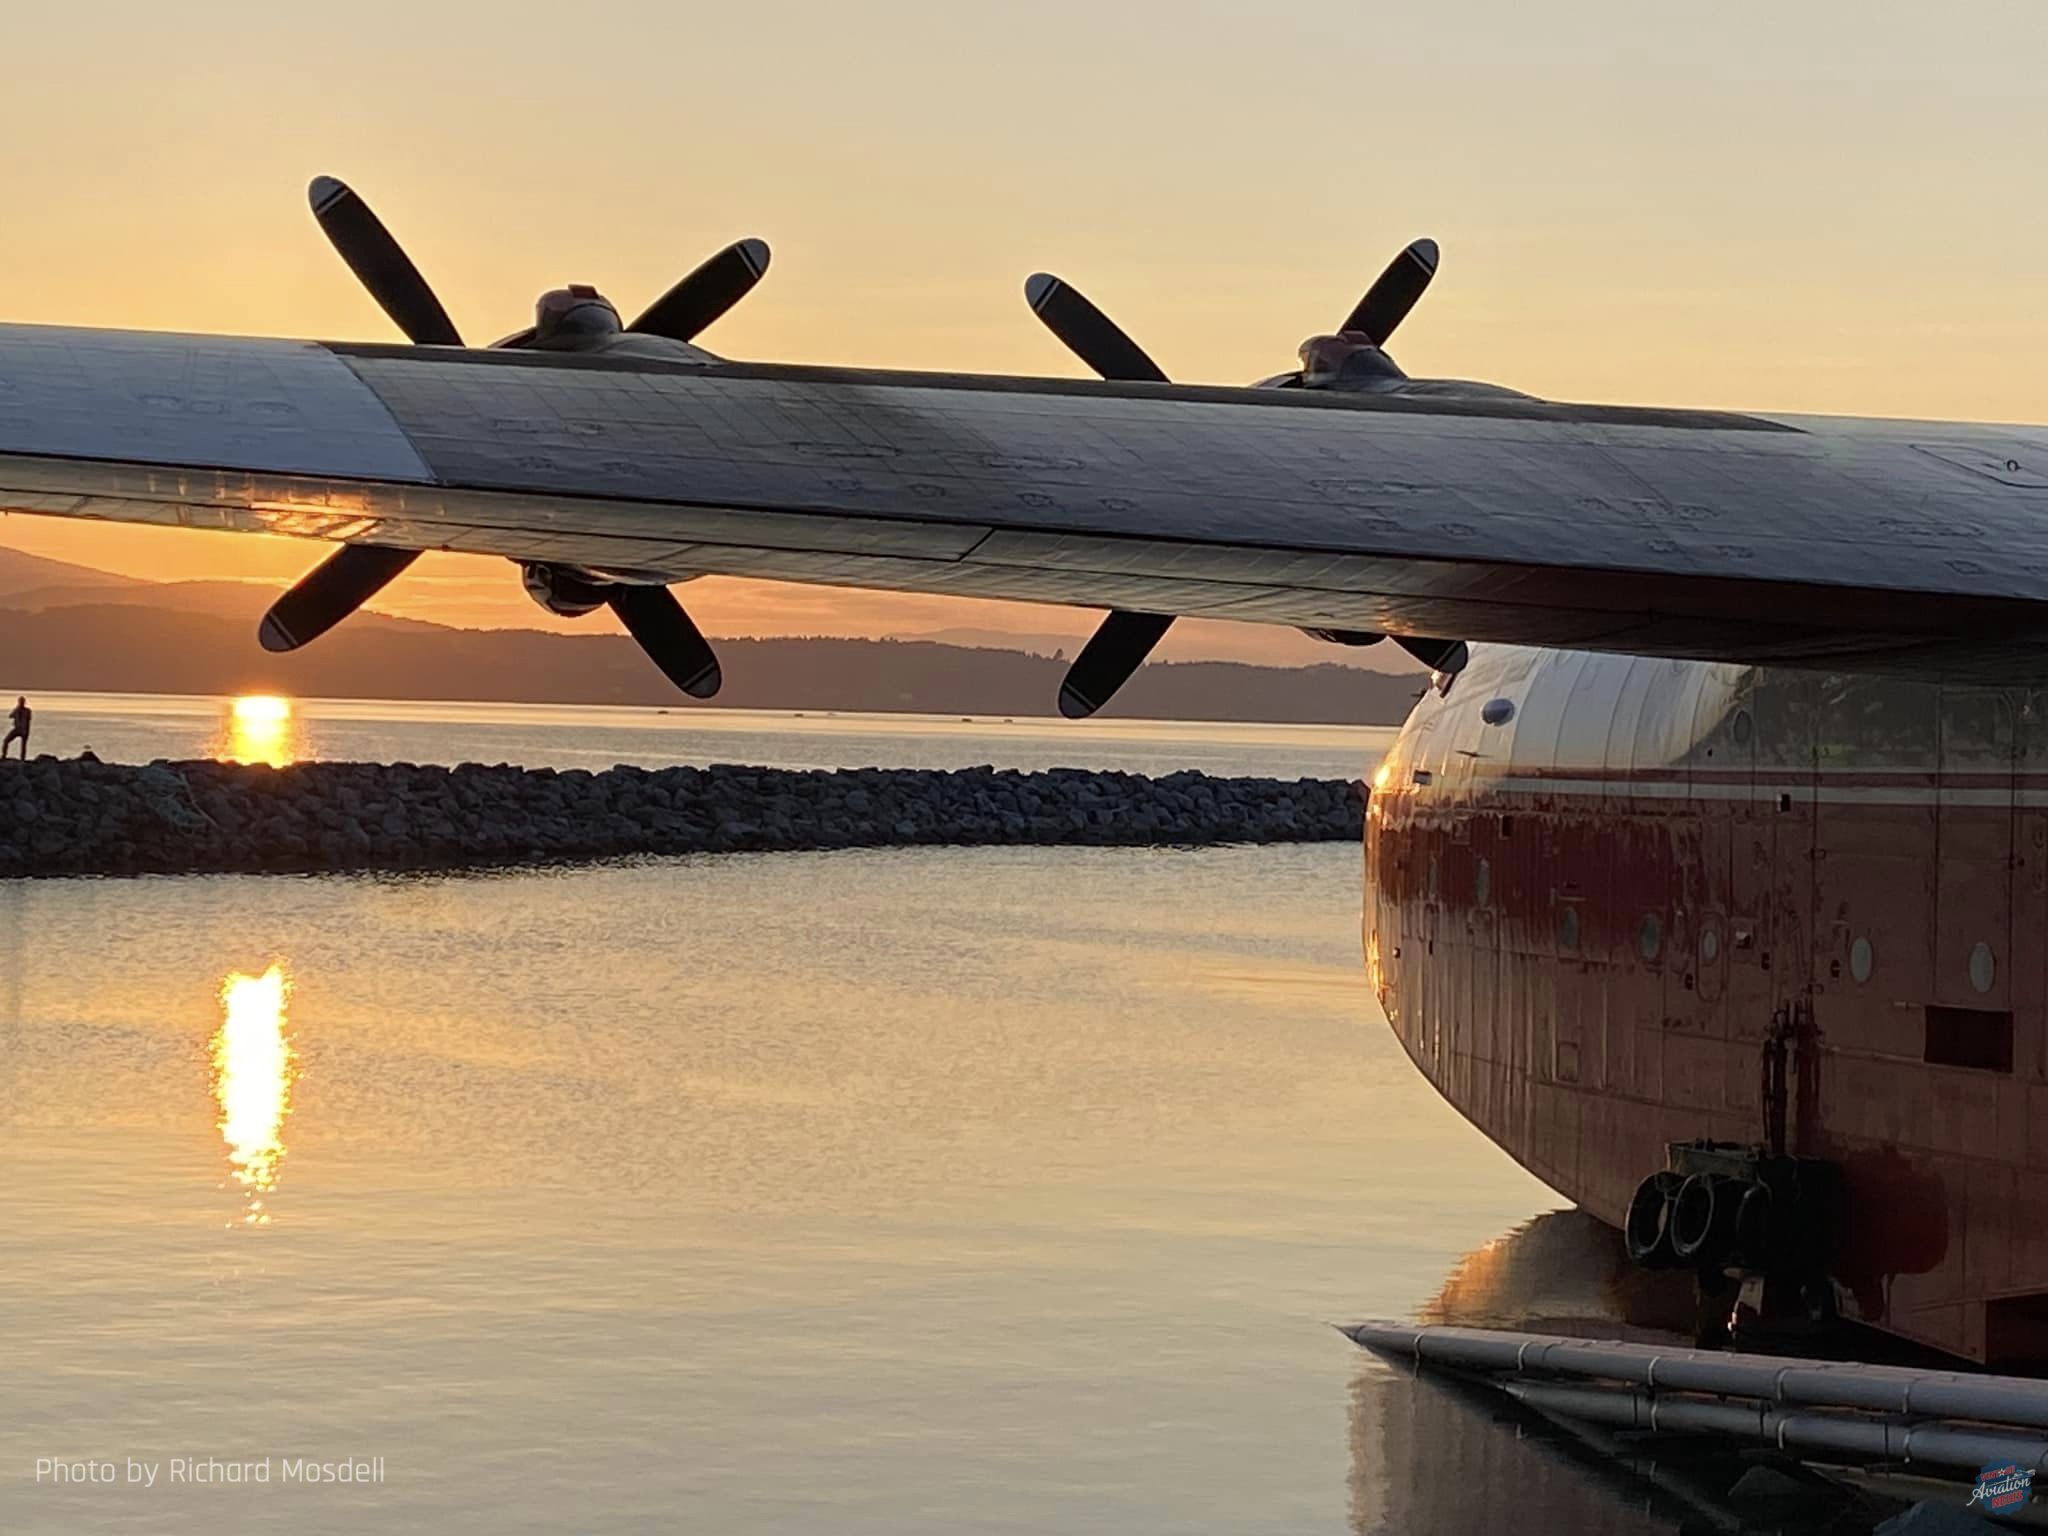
(60, 817)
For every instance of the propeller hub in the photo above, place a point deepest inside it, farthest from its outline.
(565, 591)
(1348, 360)
(565, 319)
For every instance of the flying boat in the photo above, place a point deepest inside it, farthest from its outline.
(1709, 877)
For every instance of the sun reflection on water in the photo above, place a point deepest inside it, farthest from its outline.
(260, 728)
(253, 1069)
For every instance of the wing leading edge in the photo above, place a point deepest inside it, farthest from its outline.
(1919, 549)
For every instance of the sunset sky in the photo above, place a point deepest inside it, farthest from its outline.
(1827, 207)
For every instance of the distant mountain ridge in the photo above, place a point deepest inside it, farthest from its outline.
(67, 627)
(22, 572)
(1257, 645)
(237, 600)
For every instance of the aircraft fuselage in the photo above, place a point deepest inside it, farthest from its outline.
(1596, 885)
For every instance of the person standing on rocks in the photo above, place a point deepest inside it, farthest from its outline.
(18, 720)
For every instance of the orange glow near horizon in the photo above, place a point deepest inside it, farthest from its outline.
(483, 592)
(260, 728)
(261, 711)
(254, 1067)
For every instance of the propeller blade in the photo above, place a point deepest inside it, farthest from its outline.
(1394, 292)
(329, 593)
(1446, 658)
(672, 642)
(383, 268)
(1116, 650)
(706, 293)
(1343, 636)
(1089, 334)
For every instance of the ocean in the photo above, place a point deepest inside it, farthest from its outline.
(135, 728)
(880, 1191)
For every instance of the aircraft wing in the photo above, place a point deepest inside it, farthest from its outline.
(1918, 548)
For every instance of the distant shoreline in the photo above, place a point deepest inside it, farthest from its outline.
(129, 649)
(64, 701)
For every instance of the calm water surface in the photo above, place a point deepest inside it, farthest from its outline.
(138, 727)
(926, 1191)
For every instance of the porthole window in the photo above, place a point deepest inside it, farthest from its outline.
(1861, 959)
(1710, 944)
(1650, 936)
(1983, 968)
(1497, 711)
(1744, 728)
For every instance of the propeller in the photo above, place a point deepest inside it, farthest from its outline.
(330, 592)
(1393, 293)
(1089, 334)
(1444, 658)
(355, 573)
(380, 264)
(1124, 639)
(1118, 648)
(706, 293)
(666, 633)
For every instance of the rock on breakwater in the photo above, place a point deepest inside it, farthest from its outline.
(63, 817)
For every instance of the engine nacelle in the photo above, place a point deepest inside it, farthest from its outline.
(574, 319)
(1346, 362)
(566, 591)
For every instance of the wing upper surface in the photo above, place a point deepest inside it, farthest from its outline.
(1900, 546)
(209, 401)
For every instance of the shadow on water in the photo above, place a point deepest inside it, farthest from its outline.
(1438, 1453)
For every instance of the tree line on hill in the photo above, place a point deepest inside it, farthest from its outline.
(117, 647)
